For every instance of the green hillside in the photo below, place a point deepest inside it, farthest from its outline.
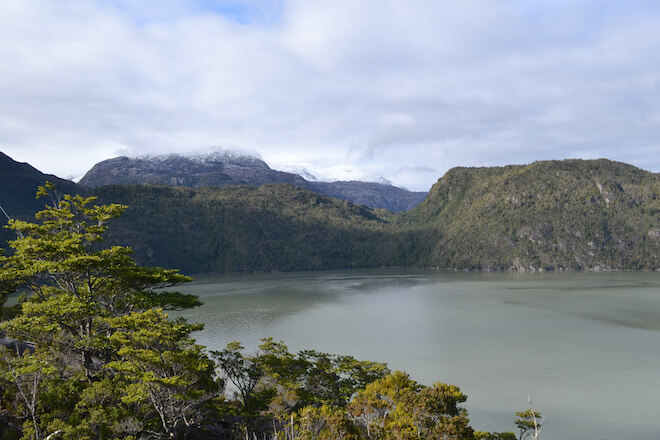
(241, 228)
(571, 214)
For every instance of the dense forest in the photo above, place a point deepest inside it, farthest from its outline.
(554, 215)
(549, 215)
(89, 353)
(570, 214)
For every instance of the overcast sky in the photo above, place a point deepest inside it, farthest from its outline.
(406, 89)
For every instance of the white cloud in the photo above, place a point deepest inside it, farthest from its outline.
(379, 85)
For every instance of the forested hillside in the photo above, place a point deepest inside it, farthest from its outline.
(571, 214)
(241, 228)
(18, 186)
(552, 215)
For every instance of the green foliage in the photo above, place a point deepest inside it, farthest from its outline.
(162, 367)
(91, 354)
(104, 360)
(570, 214)
(396, 407)
(529, 423)
(278, 381)
(480, 435)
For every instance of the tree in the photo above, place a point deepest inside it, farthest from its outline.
(306, 378)
(397, 407)
(163, 368)
(529, 422)
(96, 316)
(242, 371)
(27, 374)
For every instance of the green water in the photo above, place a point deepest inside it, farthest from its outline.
(586, 346)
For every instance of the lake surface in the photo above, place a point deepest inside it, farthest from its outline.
(585, 346)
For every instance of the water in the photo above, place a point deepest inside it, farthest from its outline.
(585, 346)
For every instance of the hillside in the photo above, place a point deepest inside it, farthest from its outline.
(571, 214)
(242, 228)
(18, 185)
(552, 215)
(219, 167)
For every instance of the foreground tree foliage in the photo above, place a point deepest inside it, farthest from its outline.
(90, 353)
(105, 356)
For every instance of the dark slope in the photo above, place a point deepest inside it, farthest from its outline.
(18, 186)
(571, 214)
(374, 195)
(242, 228)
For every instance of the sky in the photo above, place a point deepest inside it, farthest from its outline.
(405, 89)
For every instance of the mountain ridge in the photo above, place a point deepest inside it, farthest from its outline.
(548, 215)
(570, 214)
(224, 167)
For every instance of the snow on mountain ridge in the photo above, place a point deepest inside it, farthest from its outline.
(338, 173)
(210, 156)
(241, 158)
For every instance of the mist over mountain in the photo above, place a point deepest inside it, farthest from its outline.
(343, 173)
(222, 167)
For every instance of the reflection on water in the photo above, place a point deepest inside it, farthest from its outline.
(586, 346)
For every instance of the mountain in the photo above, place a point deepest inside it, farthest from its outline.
(372, 194)
(337, 173)
(220, 167)
(18, 186)
(570, 214)
(243, 228)
(550, 215)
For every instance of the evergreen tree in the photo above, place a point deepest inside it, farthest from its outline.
(106, 360)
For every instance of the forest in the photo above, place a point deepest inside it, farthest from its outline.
(89, 352)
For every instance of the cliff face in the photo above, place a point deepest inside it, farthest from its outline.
(223, 168)
(571, 214)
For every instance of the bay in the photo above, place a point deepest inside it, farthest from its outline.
(584, 346)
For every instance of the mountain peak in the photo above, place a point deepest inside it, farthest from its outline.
(219, 166)
(211, 156)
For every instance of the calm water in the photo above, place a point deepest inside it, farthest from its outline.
(586, 346)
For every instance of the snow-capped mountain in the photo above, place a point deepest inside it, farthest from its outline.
(210, 157)
(220, 167)
(338, 173)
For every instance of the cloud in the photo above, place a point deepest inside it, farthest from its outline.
(386, 86)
